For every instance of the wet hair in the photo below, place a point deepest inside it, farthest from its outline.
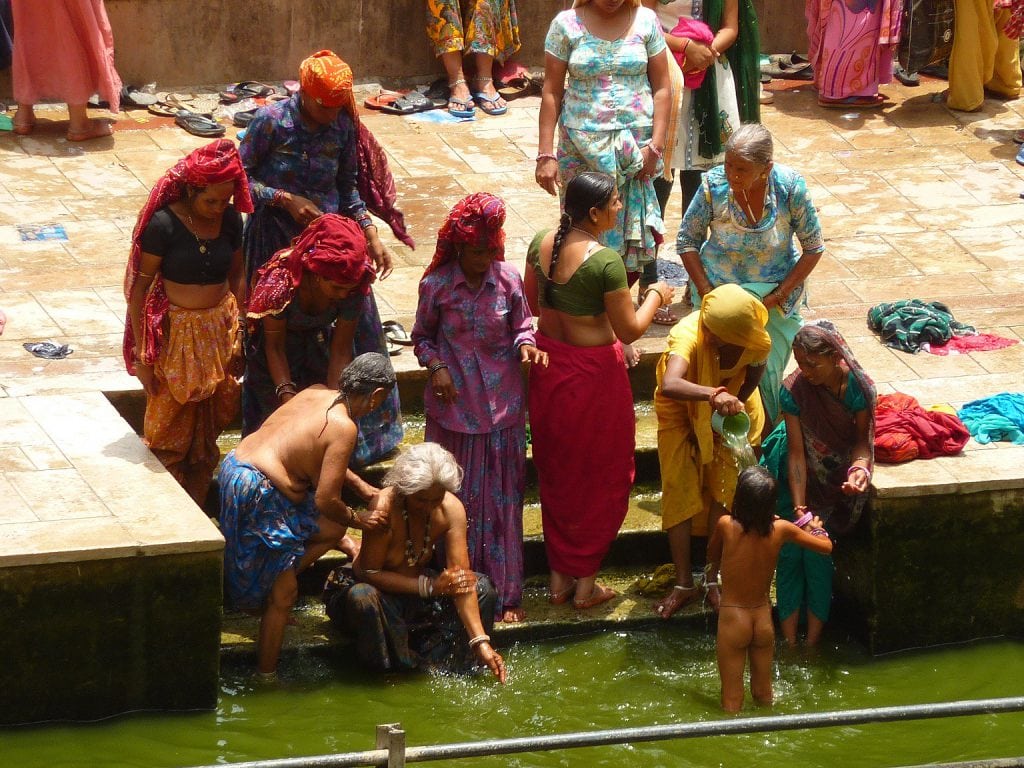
(588, 190)
(753, 506)
(812, 340)
(421, 466)
(752, 142)
(368, 372)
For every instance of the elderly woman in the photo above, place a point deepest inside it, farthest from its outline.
(473, 331)
(712, 364)
(611, 115)
(404, 612)
(487, 29)
(302, 157)
(581, 406)
(822, 455)
(183, 284)
(755, 209)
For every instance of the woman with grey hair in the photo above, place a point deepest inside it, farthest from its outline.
(756, 212)
(405, 610)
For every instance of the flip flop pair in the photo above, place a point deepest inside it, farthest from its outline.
(397, 103)
(247, 89)
(396, 334)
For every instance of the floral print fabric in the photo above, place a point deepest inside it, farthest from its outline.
(473, 26)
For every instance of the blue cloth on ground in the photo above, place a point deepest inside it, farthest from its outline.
(996, 418)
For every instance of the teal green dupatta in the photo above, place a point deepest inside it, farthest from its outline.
(744, 58)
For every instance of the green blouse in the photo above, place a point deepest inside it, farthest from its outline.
(583, 293)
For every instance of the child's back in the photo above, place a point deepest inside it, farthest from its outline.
(745, 547)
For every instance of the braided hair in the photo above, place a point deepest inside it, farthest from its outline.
(587, 190)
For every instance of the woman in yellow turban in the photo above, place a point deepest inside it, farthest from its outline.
(713, 363)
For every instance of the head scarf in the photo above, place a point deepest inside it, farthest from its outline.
(476, 220)
(327, 79)
(332, 247)
(735, 317)
(215, 163)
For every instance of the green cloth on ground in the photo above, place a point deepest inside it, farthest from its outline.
(907, 324)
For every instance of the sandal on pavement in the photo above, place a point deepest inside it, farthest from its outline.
(198, 125)
(489, 104)
(665, 316)
(382, 99)
(394, 332)
(863, 102)
(243, 118)
(561, 598)
(599, 594)
(408, 104)
(463, 108)
(677, 598)
(246, 89)
(1018, 136)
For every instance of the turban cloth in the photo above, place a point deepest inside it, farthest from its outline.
(332, 247)
(215, 163)
(328, 80)
(476, 220)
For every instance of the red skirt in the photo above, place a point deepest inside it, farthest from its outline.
(584, 430)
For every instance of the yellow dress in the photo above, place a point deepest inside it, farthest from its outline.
(696, 468)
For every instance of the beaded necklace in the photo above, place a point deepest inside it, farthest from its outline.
(410, 558)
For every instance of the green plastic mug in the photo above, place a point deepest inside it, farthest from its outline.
(736, 426)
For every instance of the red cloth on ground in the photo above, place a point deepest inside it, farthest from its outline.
(982, 342)
(583, 428)
(905, 431)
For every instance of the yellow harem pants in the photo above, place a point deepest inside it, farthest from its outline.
(983, 56)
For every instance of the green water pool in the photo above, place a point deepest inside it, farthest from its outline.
(610, 680)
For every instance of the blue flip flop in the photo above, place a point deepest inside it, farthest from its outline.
(1020, 156)
(465, 108)
(488, 104)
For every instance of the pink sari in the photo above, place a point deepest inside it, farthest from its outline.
(64, 49)
(851, 45)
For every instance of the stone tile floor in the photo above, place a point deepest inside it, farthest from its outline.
(915, 201)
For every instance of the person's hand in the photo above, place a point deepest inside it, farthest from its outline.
(857, 481)
(144, 373)
(530, 354)
(546, 175)
(726, 404)
(666, 291)
(698, 57)
(442, 386)
(455, 581)
(714, 596)
(373, 519)
(300, 208)
(381, 256)
(491, 659)
(650, 159)
(814, 525)
(770, 301)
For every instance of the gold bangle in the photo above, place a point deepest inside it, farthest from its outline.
(661, 298)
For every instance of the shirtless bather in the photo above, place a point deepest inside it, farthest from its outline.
(745, 545)
(280, 492)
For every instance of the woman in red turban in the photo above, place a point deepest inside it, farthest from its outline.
(184, 283)
(305, 305)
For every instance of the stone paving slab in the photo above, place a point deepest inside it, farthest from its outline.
(915, 200)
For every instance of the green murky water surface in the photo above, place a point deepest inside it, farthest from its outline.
(610, 680)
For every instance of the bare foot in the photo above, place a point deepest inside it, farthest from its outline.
(560, 594)
(676, 599)
(24, 120)
(349, 546)
(94, 129)
(3, 322)
(513, 615)
(599, 594)
(713, 596)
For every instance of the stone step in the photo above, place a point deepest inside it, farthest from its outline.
(630, 609)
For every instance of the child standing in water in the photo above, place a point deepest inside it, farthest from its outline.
(745, 545)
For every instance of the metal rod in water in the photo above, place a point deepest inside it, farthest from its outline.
(649, 733)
